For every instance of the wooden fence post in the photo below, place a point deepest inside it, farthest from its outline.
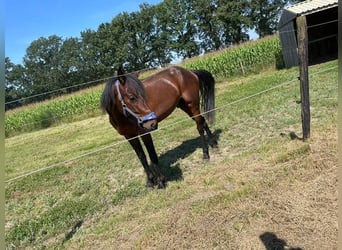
(302, 39)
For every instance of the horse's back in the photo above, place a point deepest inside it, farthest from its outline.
(172, 74)
(168, 87)
(178, 77)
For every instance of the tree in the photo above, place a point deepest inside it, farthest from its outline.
(162, 43)
(184, 40)
(235, 19)
(118, 40)
(90, 54)
(14, 84)
(265, 15)
(209, 30)
(153, 28)
(294, 1)
(53, 64)
(138, 39)
(143, 37)
(70, 64)
(42, 66)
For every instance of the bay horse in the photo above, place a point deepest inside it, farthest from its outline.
(135, 107)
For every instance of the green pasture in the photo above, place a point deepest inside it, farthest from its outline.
(93, 196)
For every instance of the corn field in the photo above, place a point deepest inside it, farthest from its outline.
(49, 113)
(249, 57)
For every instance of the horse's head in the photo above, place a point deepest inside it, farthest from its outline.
(131, 100)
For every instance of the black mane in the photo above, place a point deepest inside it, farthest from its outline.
(107, 97)
(133, 82)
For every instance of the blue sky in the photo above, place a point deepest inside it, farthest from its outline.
(28, 20)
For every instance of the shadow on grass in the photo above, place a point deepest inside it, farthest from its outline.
(272, 242)
(292, 135)
(73, 231)
(168, 160)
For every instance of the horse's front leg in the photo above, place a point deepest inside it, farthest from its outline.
(161, 180)
(136, 145)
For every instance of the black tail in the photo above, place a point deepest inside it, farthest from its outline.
(207, 91)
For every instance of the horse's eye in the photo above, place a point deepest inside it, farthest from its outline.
(131, 98)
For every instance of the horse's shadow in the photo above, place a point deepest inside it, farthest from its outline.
(272, 242)
(168, 160)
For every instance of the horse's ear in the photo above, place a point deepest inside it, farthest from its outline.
(136, 74)
(121, 74)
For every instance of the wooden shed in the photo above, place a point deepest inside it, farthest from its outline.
(322, 24)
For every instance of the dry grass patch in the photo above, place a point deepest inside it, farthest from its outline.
(246, 202)
(301, 212)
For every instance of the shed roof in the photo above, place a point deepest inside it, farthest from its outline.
(311, 6)
(305, 8)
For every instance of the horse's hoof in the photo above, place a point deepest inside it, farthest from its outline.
(213, 143)
(206, 157)
(150, 184)
(162, 183)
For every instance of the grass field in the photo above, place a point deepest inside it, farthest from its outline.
(262, 188)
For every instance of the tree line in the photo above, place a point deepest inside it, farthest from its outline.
(154, 36)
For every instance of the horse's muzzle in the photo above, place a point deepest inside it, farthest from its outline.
(149, 121)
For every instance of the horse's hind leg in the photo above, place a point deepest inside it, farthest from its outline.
(200, 121)
(212, 140)
(202, 127)
(161, 180)
(136, 145)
